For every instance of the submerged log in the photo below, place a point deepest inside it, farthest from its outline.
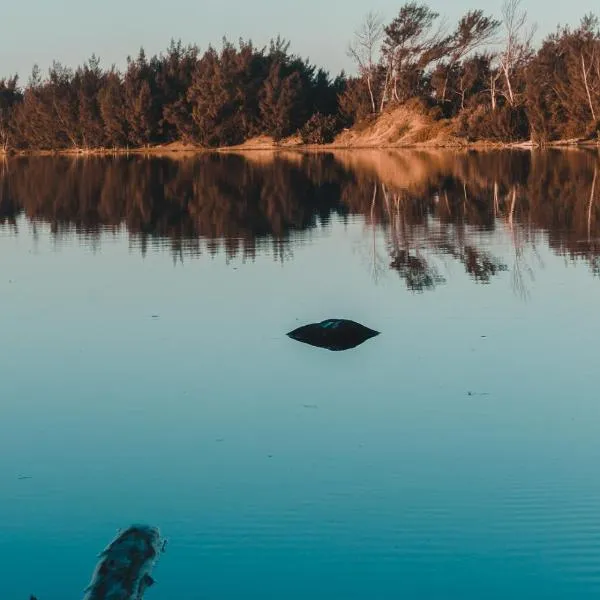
(333, 334)
(125, 566)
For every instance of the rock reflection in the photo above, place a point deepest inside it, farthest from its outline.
(431, 206)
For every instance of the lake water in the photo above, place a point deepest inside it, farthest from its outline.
(145, 374)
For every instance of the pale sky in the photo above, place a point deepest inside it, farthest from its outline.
(71, 30)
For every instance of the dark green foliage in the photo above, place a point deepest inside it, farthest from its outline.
(563, 84)
(354, 102)
(89, 81)
(111, 102)
(224, 94)
(142, 111)
(10, 96)
(461, 85)
(319, 129)
(173, 78)
(279, 99)
(243, 91)
(504, 124)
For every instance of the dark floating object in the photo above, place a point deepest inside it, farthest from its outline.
(333, 334)
(125, 566)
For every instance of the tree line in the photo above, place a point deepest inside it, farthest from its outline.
(484, 74)
(220, 97)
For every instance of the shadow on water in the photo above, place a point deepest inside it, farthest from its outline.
(428, 205)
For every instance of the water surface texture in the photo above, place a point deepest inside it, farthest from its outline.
(146, 375)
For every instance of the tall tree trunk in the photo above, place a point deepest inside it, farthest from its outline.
(445, 86)
(395, 88)
(371, 93)
(511, 97)
(385, 88)
(493, 80)
(587, 88)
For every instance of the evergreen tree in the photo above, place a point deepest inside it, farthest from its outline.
(278, 100)
(111, 102)
(10, 96)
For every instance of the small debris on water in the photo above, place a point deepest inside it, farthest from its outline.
(23, 477)
(311, 406)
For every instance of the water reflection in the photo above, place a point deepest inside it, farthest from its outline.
(430, 206)
(458, 445)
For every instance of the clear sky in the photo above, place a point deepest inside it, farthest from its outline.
(71, 30)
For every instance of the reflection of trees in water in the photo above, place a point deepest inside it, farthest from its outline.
(404, 242)
(431, 207)
(418, 232)
(209, 203)
(416, 271)
(528, 196)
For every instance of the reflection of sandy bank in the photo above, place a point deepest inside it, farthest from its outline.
(266, 157)
(402, 169)
(409, 170)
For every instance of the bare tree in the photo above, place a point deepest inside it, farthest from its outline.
(589, 52)
(517, 44)
(585, 71)
(363, 50)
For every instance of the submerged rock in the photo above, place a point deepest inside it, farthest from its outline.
(125, 566)
(333, 334)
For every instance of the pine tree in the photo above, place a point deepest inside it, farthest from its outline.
(278, 100)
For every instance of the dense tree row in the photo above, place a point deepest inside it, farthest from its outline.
(217, 98)
(484, 74)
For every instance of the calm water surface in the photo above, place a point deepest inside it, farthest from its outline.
(145, 374)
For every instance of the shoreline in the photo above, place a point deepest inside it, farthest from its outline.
(176, 149)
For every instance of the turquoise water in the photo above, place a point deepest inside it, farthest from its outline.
(146, 375)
